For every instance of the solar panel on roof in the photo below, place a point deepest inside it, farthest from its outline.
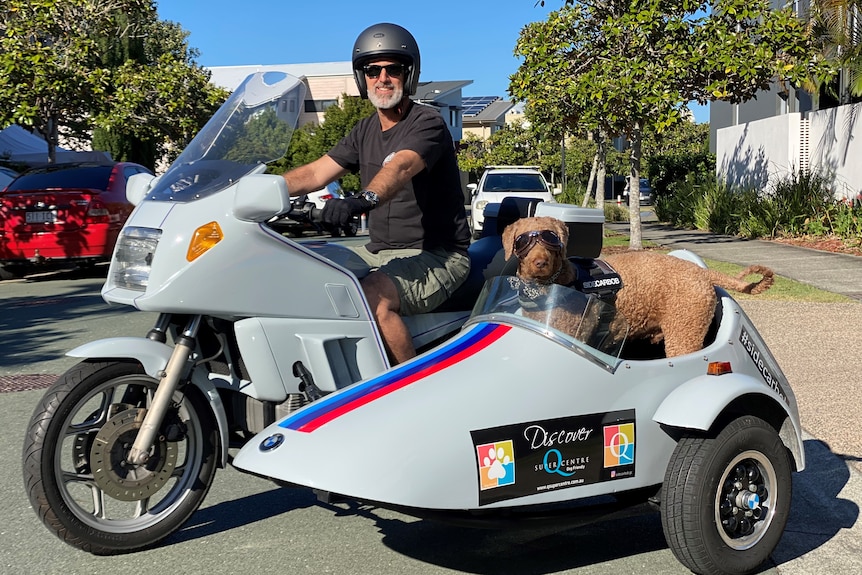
(473, 105)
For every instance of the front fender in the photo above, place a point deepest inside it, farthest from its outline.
(153, 355)
(697, 403)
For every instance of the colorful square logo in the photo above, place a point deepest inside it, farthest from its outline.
(619, 445)
(496, 464)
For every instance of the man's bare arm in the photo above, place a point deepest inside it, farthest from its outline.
(313, 176)
(393, 176)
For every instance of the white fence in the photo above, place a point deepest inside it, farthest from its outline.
(829, 142)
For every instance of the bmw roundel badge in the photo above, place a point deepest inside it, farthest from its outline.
(271, 442)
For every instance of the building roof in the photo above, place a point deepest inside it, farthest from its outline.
(426, 91)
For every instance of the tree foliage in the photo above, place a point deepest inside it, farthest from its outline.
(517, 144)
(312, 141)
(159, 97)
(70, 66)
(49, 55)
(625, 66)
(837, 31)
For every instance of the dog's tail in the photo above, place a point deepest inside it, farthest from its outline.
(739, 284)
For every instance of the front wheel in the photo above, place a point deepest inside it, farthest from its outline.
(75, 468)
(725, 499)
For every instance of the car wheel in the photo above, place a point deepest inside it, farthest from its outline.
(726, 497)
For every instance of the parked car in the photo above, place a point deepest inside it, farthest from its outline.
(646, 195)
(6, 176)
(300, 218)
(64, 212)
(498, 182)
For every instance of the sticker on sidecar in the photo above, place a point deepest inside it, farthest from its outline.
(331, 407)
(754, 346)
(534, 457)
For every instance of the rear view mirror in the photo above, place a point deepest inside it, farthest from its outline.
(137, 187)
(260, 197)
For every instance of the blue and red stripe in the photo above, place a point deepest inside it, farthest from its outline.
(325, 410)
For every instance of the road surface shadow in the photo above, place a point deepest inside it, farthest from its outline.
(817, 514)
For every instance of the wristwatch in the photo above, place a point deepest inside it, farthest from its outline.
(370, 197)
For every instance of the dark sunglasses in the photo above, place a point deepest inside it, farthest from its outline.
(373, 70)
(525, 242)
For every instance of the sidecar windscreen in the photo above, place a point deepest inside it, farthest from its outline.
(582, 322)
(253, 127)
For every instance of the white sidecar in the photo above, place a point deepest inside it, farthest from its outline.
(513, 418)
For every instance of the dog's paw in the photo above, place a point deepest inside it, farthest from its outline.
(496, 464)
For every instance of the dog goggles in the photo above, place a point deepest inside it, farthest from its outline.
(525, 242)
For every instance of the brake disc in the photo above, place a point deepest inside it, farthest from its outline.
(120, 479)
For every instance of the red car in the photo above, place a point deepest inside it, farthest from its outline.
(64, 212)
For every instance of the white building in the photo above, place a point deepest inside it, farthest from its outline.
(759, 142)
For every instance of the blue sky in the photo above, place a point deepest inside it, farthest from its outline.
(459, 40)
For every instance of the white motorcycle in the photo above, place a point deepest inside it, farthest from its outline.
(500, 417)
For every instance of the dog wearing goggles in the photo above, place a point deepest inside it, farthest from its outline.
(539, 243)
(663, 298)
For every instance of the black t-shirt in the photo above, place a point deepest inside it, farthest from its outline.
(429, 212)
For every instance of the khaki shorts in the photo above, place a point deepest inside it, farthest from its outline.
(424, 278)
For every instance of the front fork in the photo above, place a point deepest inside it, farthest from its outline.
(168, 383)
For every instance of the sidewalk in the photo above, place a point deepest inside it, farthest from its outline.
(837, 273)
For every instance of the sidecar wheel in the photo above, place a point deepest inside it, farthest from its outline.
(726, 498)
(75, 471)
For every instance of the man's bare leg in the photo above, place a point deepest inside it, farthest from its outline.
(385, 304)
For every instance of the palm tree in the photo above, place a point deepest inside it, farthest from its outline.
(837, 27)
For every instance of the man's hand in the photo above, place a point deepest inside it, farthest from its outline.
(337, 212)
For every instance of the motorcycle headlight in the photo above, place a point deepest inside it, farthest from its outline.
(133, 257)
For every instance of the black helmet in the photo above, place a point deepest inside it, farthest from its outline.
(386, 40)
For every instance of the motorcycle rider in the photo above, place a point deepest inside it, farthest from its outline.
(411, 189)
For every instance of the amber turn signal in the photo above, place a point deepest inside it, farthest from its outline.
(718, 368)
(203, 239)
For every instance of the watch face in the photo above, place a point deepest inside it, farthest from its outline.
(371, 197)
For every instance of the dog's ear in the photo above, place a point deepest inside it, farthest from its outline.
(509, 238)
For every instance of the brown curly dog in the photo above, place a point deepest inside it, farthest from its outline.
(663, 297)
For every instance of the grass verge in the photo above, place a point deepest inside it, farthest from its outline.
(784, 289)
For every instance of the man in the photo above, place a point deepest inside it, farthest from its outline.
(411, 189)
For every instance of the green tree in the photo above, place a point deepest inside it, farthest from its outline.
(115, 49)
(71, 66)
(471, 156)
(626, 66)
(838, 34)
(49, 54)
(159, 99)
(311, 141)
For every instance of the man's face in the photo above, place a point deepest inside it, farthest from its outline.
(385, 90)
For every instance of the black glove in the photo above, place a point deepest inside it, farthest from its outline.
(337, 212)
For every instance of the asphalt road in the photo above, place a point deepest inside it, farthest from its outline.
(248, 524)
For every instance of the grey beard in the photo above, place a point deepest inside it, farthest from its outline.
(381, 104)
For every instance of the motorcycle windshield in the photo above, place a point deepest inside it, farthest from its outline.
(253, 127)
(581, 322)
